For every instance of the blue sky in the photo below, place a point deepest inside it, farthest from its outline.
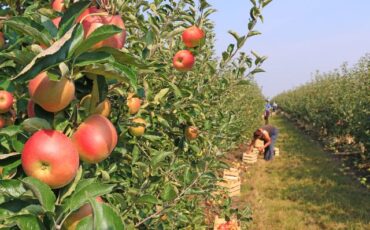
(298, 36)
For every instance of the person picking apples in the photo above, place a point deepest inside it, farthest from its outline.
(268, 134)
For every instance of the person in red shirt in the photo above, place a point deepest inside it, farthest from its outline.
(268, 134)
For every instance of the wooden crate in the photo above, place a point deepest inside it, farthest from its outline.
(277, 152)
(259, 143)
(218, 221)
(231, 189)
(231, 174)
(251, 158)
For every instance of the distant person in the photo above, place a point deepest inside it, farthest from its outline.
(274, 106)
(267, 112)
(268, 134)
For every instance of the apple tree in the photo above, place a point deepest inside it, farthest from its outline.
(150, 136)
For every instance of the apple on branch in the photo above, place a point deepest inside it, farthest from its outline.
(183, 60)
(51, 157)
(6, 101)
(192, 36)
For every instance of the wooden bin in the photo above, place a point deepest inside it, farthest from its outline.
(231, 181)
(250, 158)
(219, 221)
(277, 152)
(232, 174)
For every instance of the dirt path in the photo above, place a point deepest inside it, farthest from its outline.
(303, 188)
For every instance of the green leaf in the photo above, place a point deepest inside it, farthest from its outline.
(135, 154)
(81, 196)
(253, 33)
(31, 28)
(4, 156)
(67, 191)
(234, 34)
(147, 199)
(69, 17)
(93, 58)
(12, 187)
(34, 124)
(124, 57)
(152, 137)
(42, 191)
(86, 223)
(105, 217)
(160, 95)
(10, 130)
(28, 222)
(176, 90)
(114, 71)
(52, 56)
(169, 192)
(266, 2)
(257, 70)
(159, 157)
(189, 176)
(99, 34)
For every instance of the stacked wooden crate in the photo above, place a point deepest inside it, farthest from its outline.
(277, 152)
(231, 181)
(251, 157)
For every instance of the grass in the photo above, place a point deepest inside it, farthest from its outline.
(303, 188)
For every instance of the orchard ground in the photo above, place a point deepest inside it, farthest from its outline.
(303, 188)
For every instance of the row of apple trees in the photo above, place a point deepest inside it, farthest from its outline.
(162, 158)
(335, 107)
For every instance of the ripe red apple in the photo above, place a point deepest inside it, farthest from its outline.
(52, 96)
(58, 5)
(192, 36)
(92, 22)
(191, 132)
(31, 109)
(73, 219)
(133, 104)
(2, 122)
(56, 21)
(51, 157)
(6, 101)
(95, 139)
(2, 40)
(229, 225)
(183, 60)
(137, 130)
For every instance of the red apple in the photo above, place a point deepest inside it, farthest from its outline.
(2, 40)
(137, 130)
(191, 132)
(51, 157)
(6, 101)
(133, 104)
(52, 96)
(2, 122)
(192, 36)
(91, 22)
(229, 225)
(95, 139)
(73, 219)
(183, 60)
(31, 109)
(58, 5)
(56, 21)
